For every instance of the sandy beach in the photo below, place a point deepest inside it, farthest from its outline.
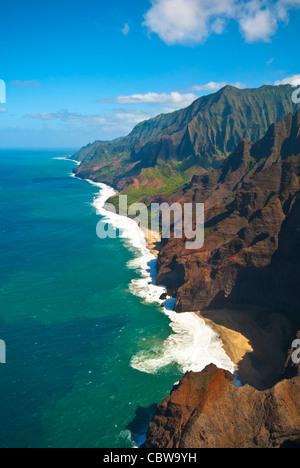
(154, 243)
(255, 339)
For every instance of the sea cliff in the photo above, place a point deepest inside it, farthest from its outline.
(208, 410)
(250, 259)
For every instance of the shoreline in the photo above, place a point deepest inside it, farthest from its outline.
(254, 338)
(233, 339)
(235, 344)
(196, 336)
(154, 244)
(192, 344)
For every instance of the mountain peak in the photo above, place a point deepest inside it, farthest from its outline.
(189, 140)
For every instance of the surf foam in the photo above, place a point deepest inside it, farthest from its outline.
(64, 158)
(193, 344)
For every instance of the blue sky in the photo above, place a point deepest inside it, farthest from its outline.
(76, 71)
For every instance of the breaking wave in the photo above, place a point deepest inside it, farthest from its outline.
(193, 344)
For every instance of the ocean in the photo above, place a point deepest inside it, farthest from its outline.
(90, 347)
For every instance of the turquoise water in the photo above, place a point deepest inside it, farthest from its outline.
(70, 323)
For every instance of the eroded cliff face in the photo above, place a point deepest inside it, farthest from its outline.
(252, 229)
(208, 410)
(251, 255)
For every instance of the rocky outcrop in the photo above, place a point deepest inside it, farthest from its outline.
(251, 255)
(252, 235)
(208, 410)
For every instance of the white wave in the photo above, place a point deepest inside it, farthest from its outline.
(126, 435)
(64, 158)
(194, 344)
(192, 347)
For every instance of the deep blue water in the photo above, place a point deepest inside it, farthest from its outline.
(70, 323)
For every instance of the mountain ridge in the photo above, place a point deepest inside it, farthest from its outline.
(250, 258)
(185, 142)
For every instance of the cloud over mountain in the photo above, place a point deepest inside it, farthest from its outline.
(174, 100)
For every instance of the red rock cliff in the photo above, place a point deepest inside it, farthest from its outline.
(207, 410)
(252, 229)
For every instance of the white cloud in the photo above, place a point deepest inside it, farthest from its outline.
(218, 26)
(293, 80)
(212, 86)
(119, 120)
(193, 21)
(174, 100)
(177, 99)
(3, 110)
(126, 29)
(188, 21)
(26, 84)
(258, 26)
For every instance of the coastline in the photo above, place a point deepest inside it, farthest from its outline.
(154, 244)
(65, 158)
(231, 339)
(254, 338)
(235, 344)
(198, 339)
(192, 344)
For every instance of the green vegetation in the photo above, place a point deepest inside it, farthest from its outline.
(170, 148)
(160, 180)
(251, 164)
